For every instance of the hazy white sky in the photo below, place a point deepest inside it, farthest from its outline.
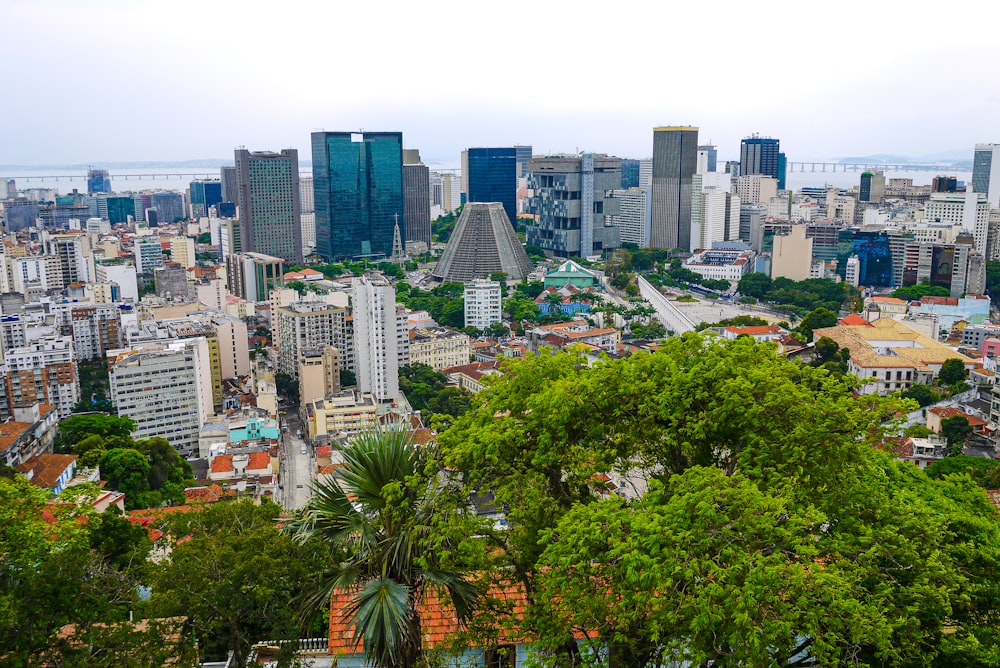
(116, 80)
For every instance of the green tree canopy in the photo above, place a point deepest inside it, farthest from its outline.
(75, 428)
(955, 430)
(816, 319)
(915, 292)
(237, 576)
(952, 371)
(720, 427)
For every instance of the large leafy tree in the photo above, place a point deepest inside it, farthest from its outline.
(374, 516)
(75, 428)
(550, 433)
(235, 574)
(61, 564)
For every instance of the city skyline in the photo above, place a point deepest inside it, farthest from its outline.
(889, 62)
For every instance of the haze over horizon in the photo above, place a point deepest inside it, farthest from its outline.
(183, 80)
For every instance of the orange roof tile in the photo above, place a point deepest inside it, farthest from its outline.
(259, 460)
(222, 464)
(47, 468)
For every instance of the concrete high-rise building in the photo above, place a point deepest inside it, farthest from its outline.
(675, 158)
(756, 188)
(986, 172)
(148, 254)
(169, 206)
(451, 192)
(318, 374)
(182, 251)
(305, 325)
(98, 181)
(944, 184)
(762, 155)
(971, 210)
(11, 189)
(493, 177)
(230, 186)
(416, 198)
(632, 216)
(715, 211)
(872, 187)
(44, 370)
(522, 154)
(171, 282)
(252, 276)
(166, 389)
(646, 173)
(483, 305)
(358, 179)
(483, 242)
(72, 251)
(268, 202)
(792, 256)
(202, 195)
(572, 203)
(376, 336)
(711, 156)
(307, 195)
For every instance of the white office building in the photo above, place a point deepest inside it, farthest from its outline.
(633, 216)
(483, 303)
(970, 210)
(148, 254)
(166, 389)
(376, 336)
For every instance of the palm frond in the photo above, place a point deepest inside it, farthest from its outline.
(383, 618)
(463, 594)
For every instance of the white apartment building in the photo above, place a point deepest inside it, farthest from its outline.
(73, 251)
(376, 336)
(438, 348)
(42, 272)
(45, 371)
(148, 254)
(166, 389)
(756, 188)
(633, 217)
(122, 275)
(721, 264)
(969, 209)
(311, 324)
(483, 305)
(715, 212)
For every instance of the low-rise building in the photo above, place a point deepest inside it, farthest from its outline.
(29, 434)
(562, 334)
(438, 347)
(888, 355)
(48, 471)
(341, 415)
(721, 264)
(471, 376)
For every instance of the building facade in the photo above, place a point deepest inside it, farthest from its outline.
(376, 336)
(417, 202)
(571, 202)
(493, 177)
(268, 201)
(986, 172)
(675, 159)
(483, 304)
(358, 178)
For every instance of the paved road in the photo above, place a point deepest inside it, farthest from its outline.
(296, 467)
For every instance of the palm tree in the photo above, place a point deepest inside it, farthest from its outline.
(375, 519)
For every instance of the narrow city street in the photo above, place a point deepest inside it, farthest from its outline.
(297, 463)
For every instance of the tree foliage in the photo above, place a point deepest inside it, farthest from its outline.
(77, 427)
(376, 514)
(915, 292)
(770, 514)
(952, 371)
(426, 391)
(236, 575)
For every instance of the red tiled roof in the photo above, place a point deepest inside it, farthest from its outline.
(854, 319)
(47, 468)
(754, 330)
(438, 621)
(324, 451)
(950, 412)
(223, 464)
(259, 460)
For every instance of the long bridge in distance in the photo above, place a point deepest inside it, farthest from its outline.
(873, 167)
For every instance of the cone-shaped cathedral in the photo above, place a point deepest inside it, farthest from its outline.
(483, 242)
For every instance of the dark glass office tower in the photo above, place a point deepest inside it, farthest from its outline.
(98, 181)
(493, 177)
(358, 183)
(759, 155)
(675, 159)
(204, 194)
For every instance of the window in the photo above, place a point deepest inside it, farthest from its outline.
(501, 656)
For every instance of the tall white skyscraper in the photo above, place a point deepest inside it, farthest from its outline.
(376, 345)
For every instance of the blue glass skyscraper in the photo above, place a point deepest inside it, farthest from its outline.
(493, 177)
(762, 155)
(358, 187)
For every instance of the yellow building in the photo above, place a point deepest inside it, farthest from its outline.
(438, 348)
(319, 373)
(341, 415)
